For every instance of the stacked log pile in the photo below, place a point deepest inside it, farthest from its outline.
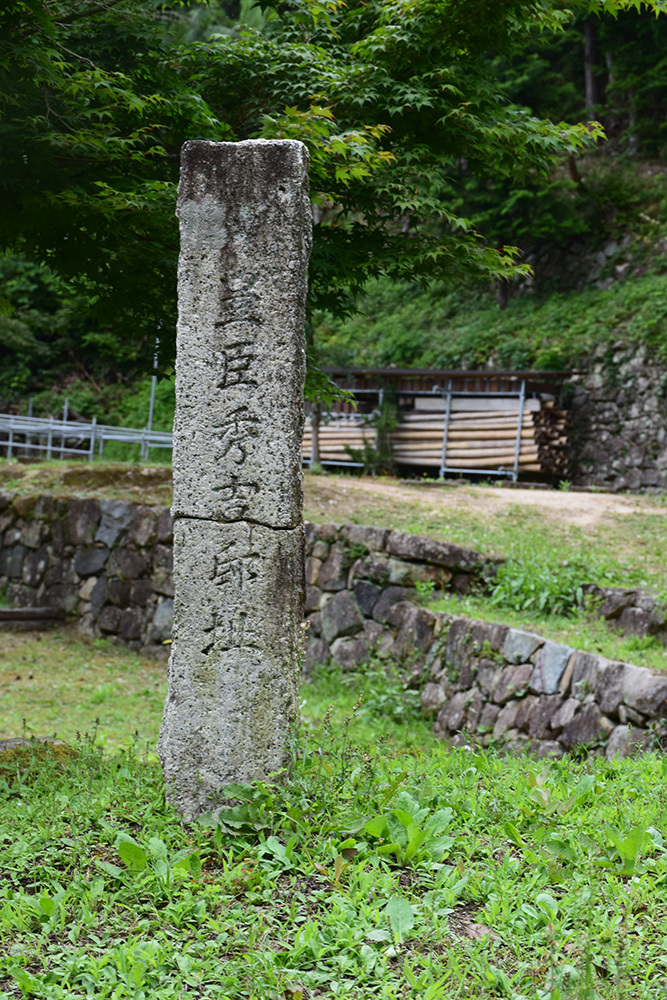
(483, 438)
(552, 428)
(477, 439)
(336, 438)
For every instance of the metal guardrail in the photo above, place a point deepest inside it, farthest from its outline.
(57, 438)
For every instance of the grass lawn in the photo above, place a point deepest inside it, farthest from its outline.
(386, 865)
(373, 871)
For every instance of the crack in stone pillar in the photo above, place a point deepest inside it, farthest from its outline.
(246, 234)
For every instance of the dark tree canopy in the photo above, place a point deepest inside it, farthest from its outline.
(400, 104)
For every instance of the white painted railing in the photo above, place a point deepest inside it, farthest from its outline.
(59, 438)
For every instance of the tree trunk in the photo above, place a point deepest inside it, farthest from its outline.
(315, 414)
(590, 58)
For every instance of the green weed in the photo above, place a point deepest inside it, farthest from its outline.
(364, 872)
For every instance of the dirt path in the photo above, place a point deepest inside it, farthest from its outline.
(338, 497)
(565, 507)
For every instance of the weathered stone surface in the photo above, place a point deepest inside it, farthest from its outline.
(130, 624)
(387, 599)
(23, 506)
(513, 683)
(98, 596)
(320, 550)
(316, 652)
(588, 727)
(235, 657)
(452, 714)
(541, 717)
(609, 686)
(432, 698)
(162, 581)
(626, 715)
(644, 691)
(364, 534)
(457, 648)
(373, 632)
(140, 591)
(625, 741)
(313, 598)
(474, 708)
(109, 618)
(83, 517)
(11, 562)
(61, 595)
(550, 665)
(89, 562)
(165, 527)
(315, 622)
(550, 749)
(341, 616)
(565, 714)
(87, 588)
(321, 533)
(587, 668)
(375, 567)
(118, 591)
(143, 530)
(350, 653)
(162, 624)
(366, 595)
(116, 517)
(416, 632)
(399, 572)
(488, 675)
(417, 548)
(333, 573)
(34, 566)
(488, 717)
(245, 221)
(520, 646)
(525, 709)
(61, 572)
(505, 719)
(489, 633)
(312, 569)
(126, 564)
(32, 534)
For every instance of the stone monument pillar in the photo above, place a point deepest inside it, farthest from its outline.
(246, 235)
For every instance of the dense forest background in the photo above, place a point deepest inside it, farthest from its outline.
(490, 188)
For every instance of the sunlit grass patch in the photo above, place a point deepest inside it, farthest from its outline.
(58, 683)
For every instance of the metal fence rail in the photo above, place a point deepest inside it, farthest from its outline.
(57, 438)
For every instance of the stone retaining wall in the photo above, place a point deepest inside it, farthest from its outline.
(487, 682)
(110, 562)
(628, 610)
(481, 682)
(107, 561)
(355, 574)
(619, 420)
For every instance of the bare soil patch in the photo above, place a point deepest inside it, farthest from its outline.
(337, 497)
(327, 496)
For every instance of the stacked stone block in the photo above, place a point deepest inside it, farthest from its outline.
(357, 574)
(491, 683)
(619, 427)
(109, 562)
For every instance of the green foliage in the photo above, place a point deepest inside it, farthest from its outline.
(405, 325)
(551, 589)
(95, 102)
(544, 879)
(378, 458)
